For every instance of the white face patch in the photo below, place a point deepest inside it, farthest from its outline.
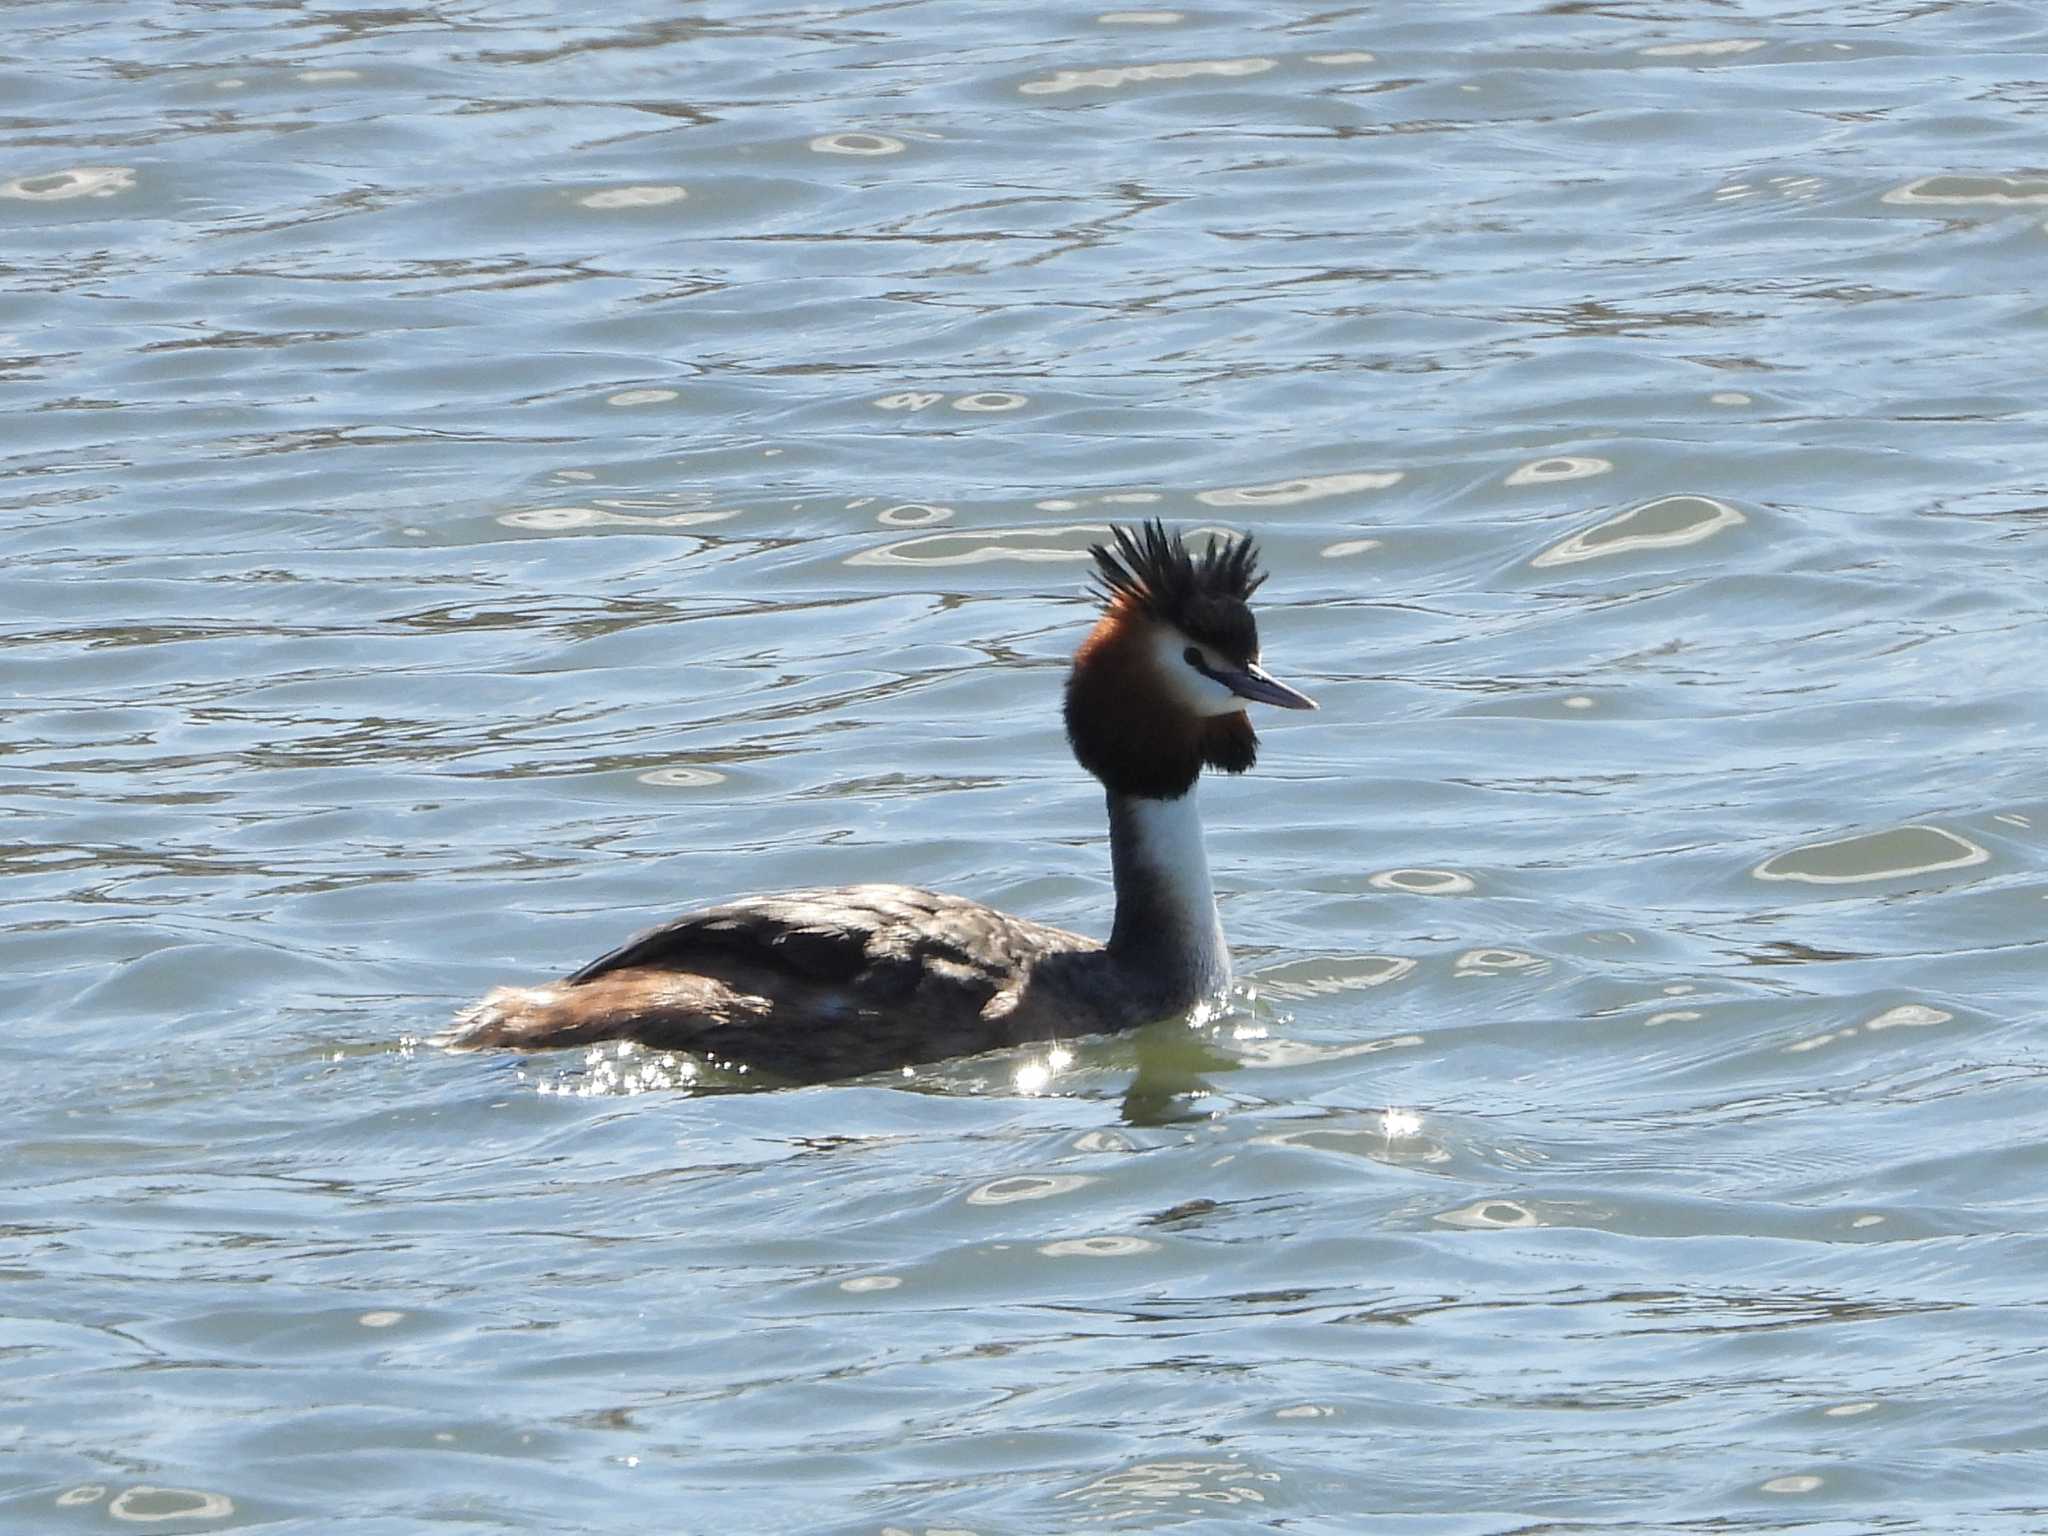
(1197, 694)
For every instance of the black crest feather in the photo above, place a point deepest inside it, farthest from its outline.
(1204, 596)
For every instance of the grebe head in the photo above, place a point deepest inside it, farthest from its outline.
(1159, 687)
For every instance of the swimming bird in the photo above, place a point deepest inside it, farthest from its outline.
(814, 985)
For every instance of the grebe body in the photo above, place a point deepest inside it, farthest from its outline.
(814, 985)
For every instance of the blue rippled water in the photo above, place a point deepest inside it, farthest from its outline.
(477, 479)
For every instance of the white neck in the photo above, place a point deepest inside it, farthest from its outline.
(1166, 928)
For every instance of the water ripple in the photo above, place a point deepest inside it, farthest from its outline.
(473, 493)
(1670, 522)
(1889, 855)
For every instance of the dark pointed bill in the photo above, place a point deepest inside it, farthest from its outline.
(1254, 682)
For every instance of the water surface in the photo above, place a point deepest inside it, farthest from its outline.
(478, 479)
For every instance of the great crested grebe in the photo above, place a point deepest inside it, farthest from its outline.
(822, 984)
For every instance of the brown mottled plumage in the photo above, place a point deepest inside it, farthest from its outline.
(820, 984)
(844, 981)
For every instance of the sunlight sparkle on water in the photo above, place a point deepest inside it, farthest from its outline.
(1400, 1122)
(622, 1068)
(1037, 1076)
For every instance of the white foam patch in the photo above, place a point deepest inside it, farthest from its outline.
(1564, 466)
(1670, 522)
(857, 144)
(1989, 191)
(79, 181)
(913, 514)
(1102, 1141)
(1495, 962)
(1815, 1042)
(1097, 1247)
(1057, 542)
(1491, 1215)
(144, 1504)
(1803, 1482)
(633, 197)
(1421, 882)
(982, 548)
(560, 519)
(1910, 850)
(1286, 493)
(1028, 1186)
(1719, 48)
(680, 776)
(1112, 79)
(1910, 1016)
